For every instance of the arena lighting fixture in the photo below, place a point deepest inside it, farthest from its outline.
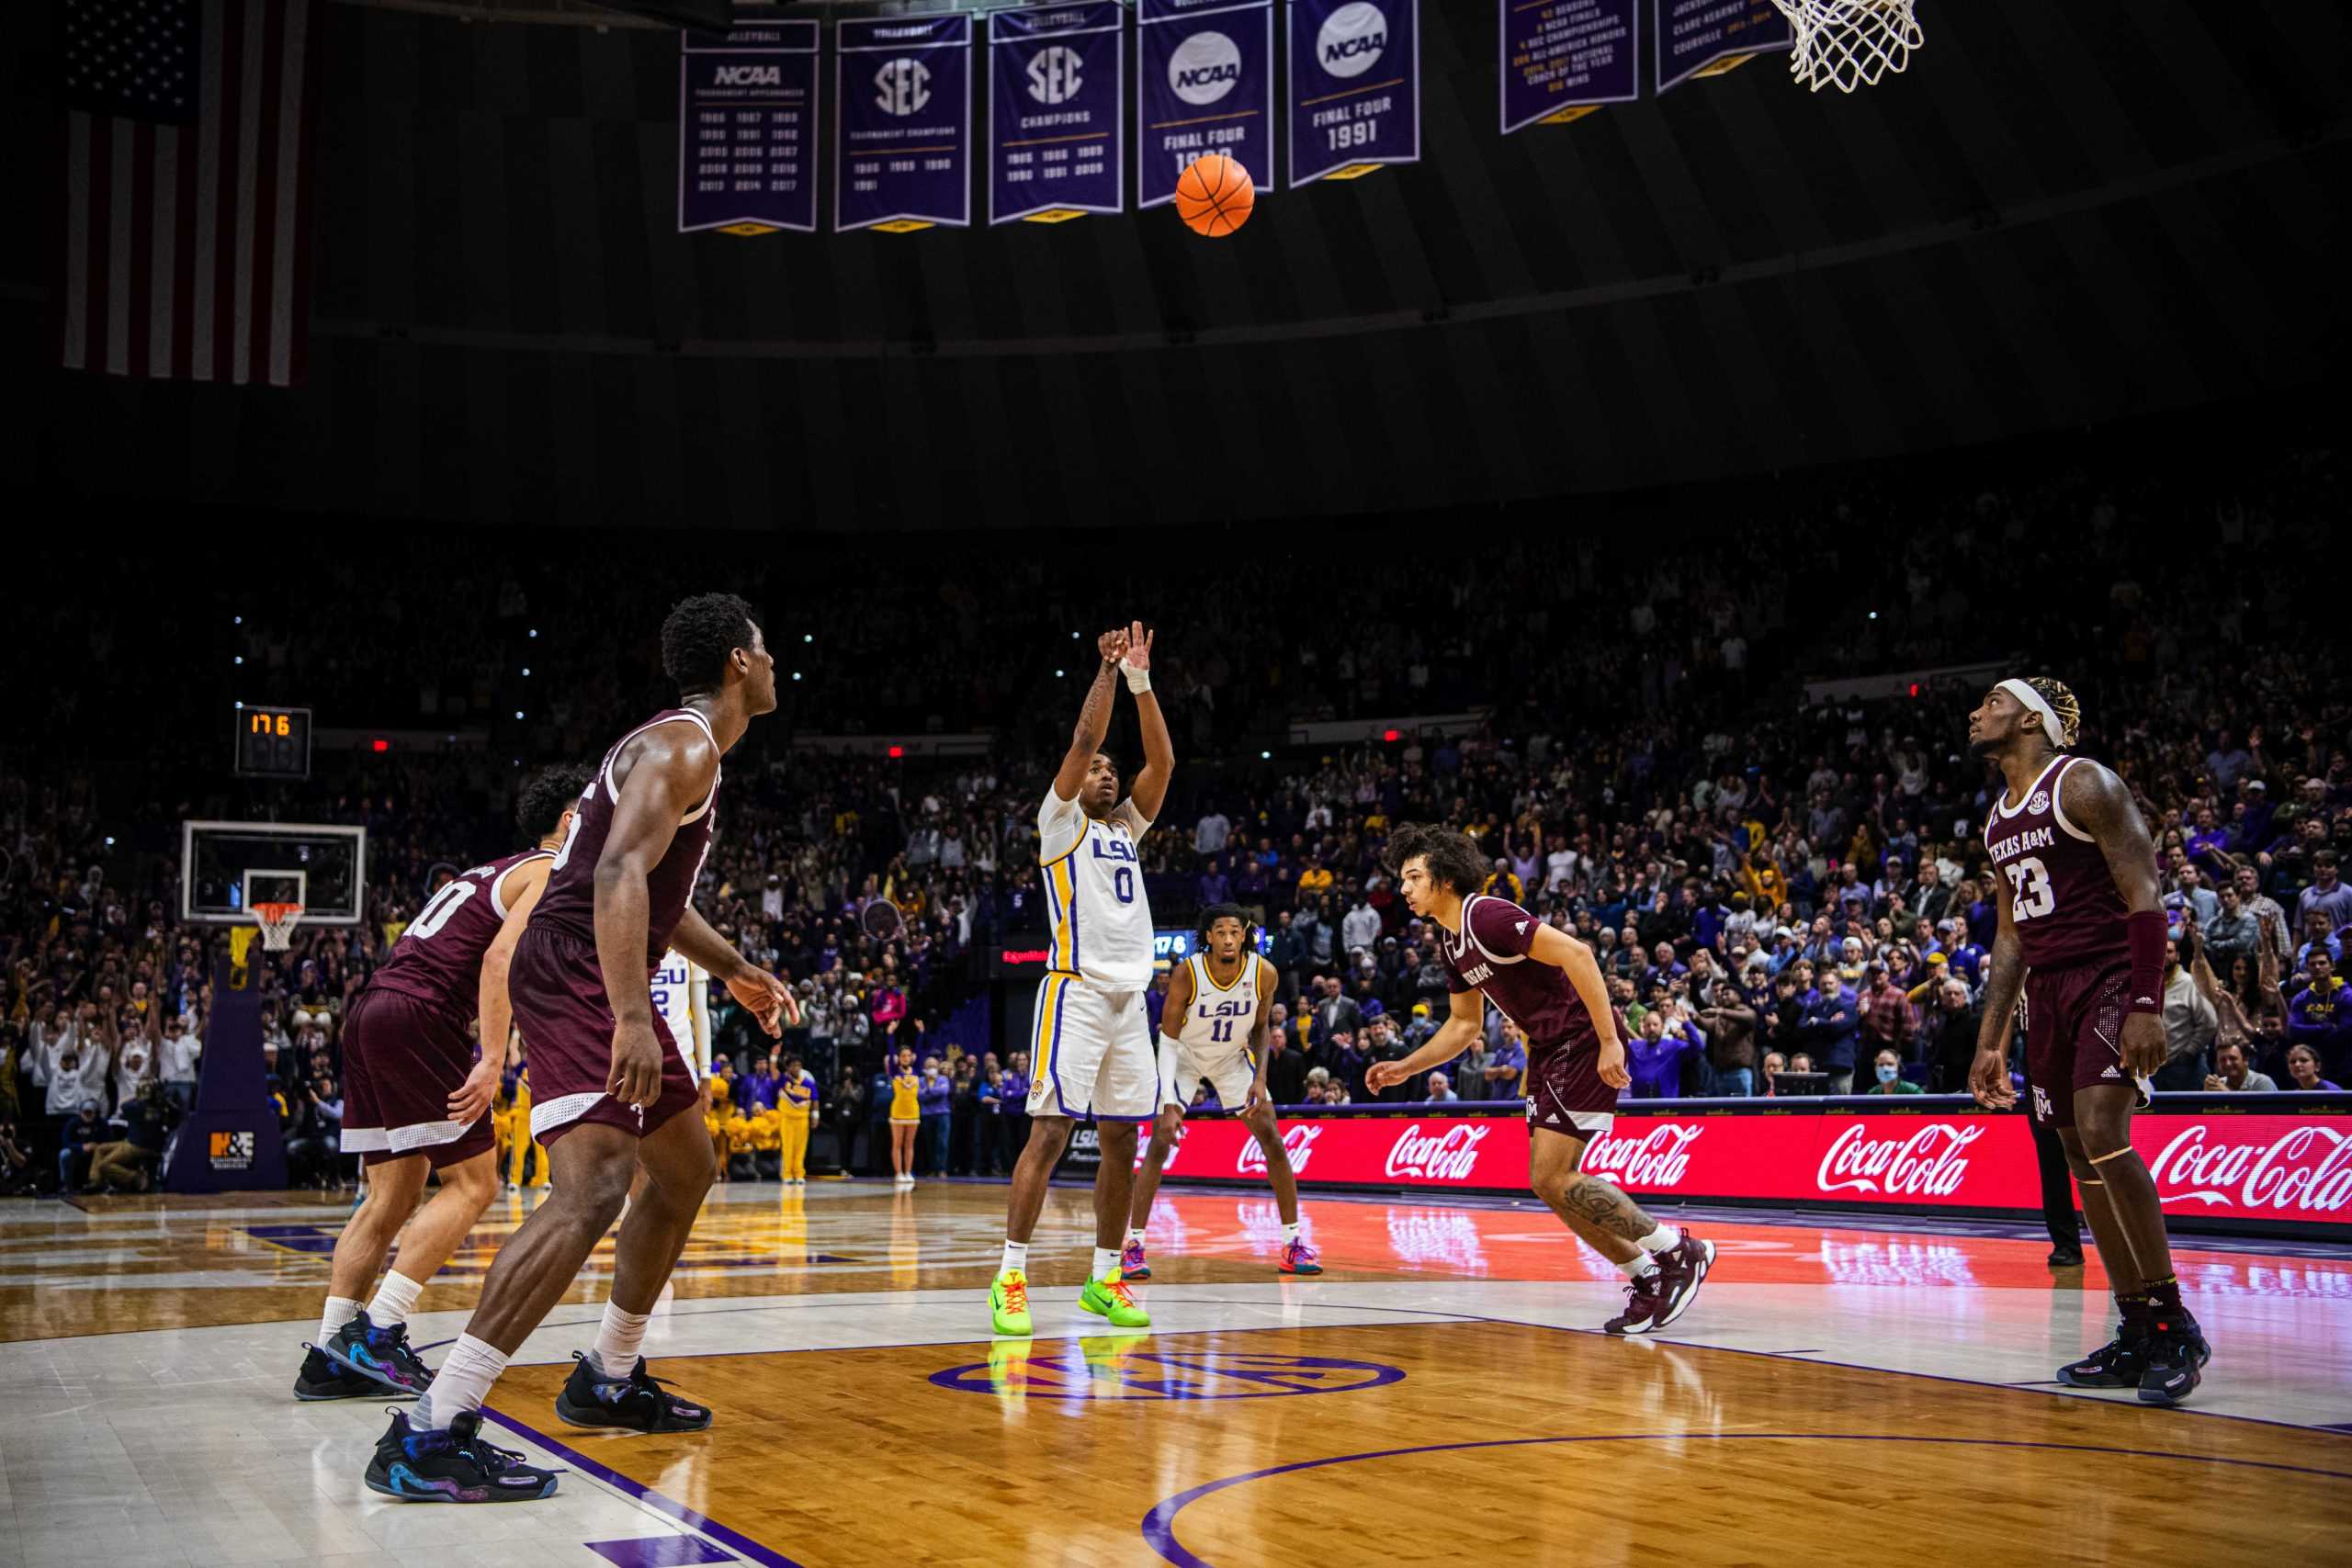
(518, 713)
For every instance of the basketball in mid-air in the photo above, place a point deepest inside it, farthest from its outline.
(1215, 195)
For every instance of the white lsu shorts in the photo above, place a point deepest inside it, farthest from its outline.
(1230, 1072)
(1091, 1053)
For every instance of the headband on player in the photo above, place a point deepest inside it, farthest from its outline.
(2034, 704)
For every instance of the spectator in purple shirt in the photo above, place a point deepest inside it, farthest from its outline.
(1656, 1054)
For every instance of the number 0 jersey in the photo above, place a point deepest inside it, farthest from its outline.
(1095, 906)
(2062, 896)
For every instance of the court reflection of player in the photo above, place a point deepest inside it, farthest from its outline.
(418, 1096)
(611, 1082)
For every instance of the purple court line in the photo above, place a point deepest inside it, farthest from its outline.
(1159, 1532)
(702, 1524)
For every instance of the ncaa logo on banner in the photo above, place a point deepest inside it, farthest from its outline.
(1204, 68)
(1352, 40)
(747, 76)
(1055, 77)
(903, 86)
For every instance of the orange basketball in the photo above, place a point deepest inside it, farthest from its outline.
(1215, 195)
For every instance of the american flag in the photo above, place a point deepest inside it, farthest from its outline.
(187, 174)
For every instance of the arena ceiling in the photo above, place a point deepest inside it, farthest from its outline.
(2062, 214)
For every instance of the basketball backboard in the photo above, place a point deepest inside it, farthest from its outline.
(227, 867)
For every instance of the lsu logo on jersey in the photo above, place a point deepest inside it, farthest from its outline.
(1230, 1007)
(1110, 846)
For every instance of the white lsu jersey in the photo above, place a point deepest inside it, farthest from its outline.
(1212, 1040)
(1095, 906)
(1219, 1021)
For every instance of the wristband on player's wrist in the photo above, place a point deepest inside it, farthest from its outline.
(1138, 681)
(2144, 930)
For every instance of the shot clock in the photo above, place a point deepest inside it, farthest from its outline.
(272, 741)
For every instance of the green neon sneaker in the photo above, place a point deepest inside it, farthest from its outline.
(1009, 1302)
(1112, 1299)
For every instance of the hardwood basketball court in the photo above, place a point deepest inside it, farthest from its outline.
(1440, 1396)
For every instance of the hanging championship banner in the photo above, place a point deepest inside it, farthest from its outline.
(1057, 112)
(1707, 38)
(747, 129)
(902, 123)
(1355, 87)
(1206, 84)
(1563, 59)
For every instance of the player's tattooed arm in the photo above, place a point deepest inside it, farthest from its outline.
(2100, 803)
(1093, 716)
(1604, 1208)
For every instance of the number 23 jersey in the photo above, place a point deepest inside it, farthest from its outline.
(2061, 896)
(1095, 907)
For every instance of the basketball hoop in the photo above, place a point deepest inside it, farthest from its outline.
(277, 922)
(1849, 43)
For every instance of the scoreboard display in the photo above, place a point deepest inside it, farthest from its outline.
(273, 742)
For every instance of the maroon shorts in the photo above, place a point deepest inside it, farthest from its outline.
(2074, 1034)
(558, 989)
(401, 1061)
(1564, 1092)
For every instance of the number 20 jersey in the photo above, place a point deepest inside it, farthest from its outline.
(2061, 896)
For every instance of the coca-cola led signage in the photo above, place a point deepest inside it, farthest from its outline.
(2274, 1169)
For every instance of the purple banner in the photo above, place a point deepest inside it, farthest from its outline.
(1206, 84)
(1563, 59)
(747, 129)
(902, 123)
(1355, 87)
(1707, 38)
(1058, 108)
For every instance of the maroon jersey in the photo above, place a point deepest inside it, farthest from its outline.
(1489, 953)
(2062, 900)
(437, 960)
(569, 905)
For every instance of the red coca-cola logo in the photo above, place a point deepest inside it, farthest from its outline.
(1298, 1143)
(1658, 1158)
(1448, 1156)
(1928, 1163)
(2304, 1170)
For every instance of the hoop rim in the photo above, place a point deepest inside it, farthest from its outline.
(276, 918)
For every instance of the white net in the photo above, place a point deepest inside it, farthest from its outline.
(277, 922)
(1847, 44)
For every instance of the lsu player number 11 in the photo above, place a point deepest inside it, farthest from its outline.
(1214, 1026)
(1091, 1042)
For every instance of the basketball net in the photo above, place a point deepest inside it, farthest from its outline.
(1849, 43)
(277, 922)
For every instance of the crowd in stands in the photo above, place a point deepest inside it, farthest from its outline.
(1786, 894)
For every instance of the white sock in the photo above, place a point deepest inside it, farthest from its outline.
(1643, 1265)
(1665, 1238)
(340, 1310)
(1016, 1256)
(1134, 1235)
(394, 1298)
(1290, 1233)
(461, 1384)
(617, 1338)
(1106, 1263)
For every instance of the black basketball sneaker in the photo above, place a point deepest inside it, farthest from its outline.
(2176, 1353)
(324, 1379)
(455, 1465)
(638, 1402)
(380, 1354)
